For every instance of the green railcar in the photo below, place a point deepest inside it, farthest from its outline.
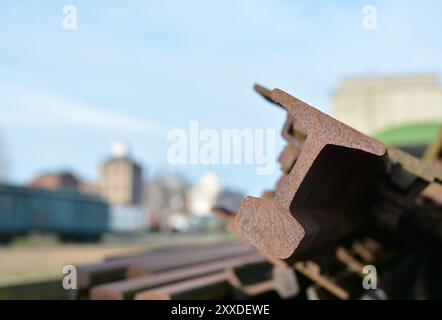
(70, 214)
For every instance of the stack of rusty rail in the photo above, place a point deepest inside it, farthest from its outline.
(346, 206)
(339, 186)
(213, 272)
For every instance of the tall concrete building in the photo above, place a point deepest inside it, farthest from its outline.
(372, 105)
(121, 178)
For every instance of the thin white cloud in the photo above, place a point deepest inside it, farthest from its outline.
(22, 107)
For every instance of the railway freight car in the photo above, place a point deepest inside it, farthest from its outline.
(72, 215)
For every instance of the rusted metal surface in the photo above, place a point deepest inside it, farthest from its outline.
(126, 289)
(114, 270)
(183, 259)
(229, 218)
(264, 92)
(283, 281)
(353, 264)
(313, 271)
(279, 225)
(161, 250)
(288, 157)
(367, 249)
(333, 179)
(214, 286)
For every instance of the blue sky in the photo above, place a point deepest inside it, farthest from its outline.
(134, 70)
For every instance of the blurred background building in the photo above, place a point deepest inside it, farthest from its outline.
(167, 202)
(55, 181)
(177, 205)
(203, 196)
(121, 185)
(121, 179)
(63, 180)
(403, 111)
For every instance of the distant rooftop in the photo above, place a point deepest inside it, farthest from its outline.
(404, 80)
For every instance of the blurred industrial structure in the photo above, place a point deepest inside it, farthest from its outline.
(404, 111)
(55, 181)
(121, 179)
(63, 180)
(137, 204)
(174, 204)
(121, 185)
(167, 202)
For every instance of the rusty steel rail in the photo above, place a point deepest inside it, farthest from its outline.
(336, 181)
(214, 286)
(162, 250)
(89, 275)
(126, 289)
(184, 259)
(283, 281)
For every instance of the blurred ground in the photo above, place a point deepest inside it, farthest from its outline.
(37, 258)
